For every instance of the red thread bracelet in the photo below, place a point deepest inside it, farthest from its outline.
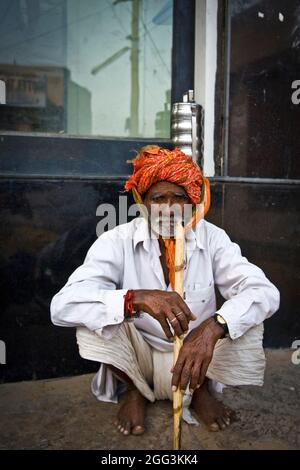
(128, 304)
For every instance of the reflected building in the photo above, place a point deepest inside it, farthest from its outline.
(44, 99)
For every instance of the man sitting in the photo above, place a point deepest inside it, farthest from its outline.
(126, 314)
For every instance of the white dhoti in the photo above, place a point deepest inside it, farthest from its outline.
(238, 362)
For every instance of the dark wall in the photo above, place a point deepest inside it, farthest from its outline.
(263, 219)
(47, 226)
(260, 174)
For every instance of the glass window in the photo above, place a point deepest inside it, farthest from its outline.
(86, 67)
(264, 74)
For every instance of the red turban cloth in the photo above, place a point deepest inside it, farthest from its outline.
(154, 164)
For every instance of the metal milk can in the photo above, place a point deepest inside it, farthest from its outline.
(186, 127)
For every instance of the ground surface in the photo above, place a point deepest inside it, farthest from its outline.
(63, 414)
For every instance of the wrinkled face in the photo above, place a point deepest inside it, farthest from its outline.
(167, 203)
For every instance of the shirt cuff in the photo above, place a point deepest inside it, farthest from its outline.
(114, 301)
(114, 306)
(233, 327)
(238, 315)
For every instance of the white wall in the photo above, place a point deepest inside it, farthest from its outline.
(205, 73)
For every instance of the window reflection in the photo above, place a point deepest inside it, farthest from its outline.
(86, 67)
(264, 62)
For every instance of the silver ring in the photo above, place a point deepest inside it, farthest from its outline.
(173, 319)
(177, 314)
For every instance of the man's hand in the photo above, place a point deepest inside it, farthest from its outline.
(168, 308)
(195, 356)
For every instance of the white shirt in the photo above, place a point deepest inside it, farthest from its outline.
(127, 258)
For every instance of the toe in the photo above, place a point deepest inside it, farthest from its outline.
(127, 428)
(122, 428)
(214, 427)
(221, 423)
(138, 430)
(229, 416)
(226, 420)
(233, 416)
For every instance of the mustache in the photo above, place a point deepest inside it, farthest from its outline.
(165, 224)
(168, 218)
(170, 221)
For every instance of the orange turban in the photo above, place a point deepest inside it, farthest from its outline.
(154, 164)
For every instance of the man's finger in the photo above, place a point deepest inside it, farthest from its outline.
(174, 323)
(195, 374)
(185, 375)
(186, 310)
(165, 327)
(176, 374)
(182, 319)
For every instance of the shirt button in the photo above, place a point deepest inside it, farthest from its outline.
(116, 319)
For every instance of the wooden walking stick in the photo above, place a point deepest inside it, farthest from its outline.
(179, 288)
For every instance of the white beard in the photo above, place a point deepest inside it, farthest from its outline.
(165, 226)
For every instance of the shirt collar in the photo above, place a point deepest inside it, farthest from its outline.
(141, 233)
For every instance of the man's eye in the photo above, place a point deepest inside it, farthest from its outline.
(157, 198)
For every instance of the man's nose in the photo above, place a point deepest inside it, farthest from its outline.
(170, 210)
(165, 208)
(170, 201)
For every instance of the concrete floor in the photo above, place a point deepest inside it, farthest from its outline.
(63, 414)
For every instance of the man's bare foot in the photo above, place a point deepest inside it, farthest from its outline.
(212, 412)
(132, 413)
